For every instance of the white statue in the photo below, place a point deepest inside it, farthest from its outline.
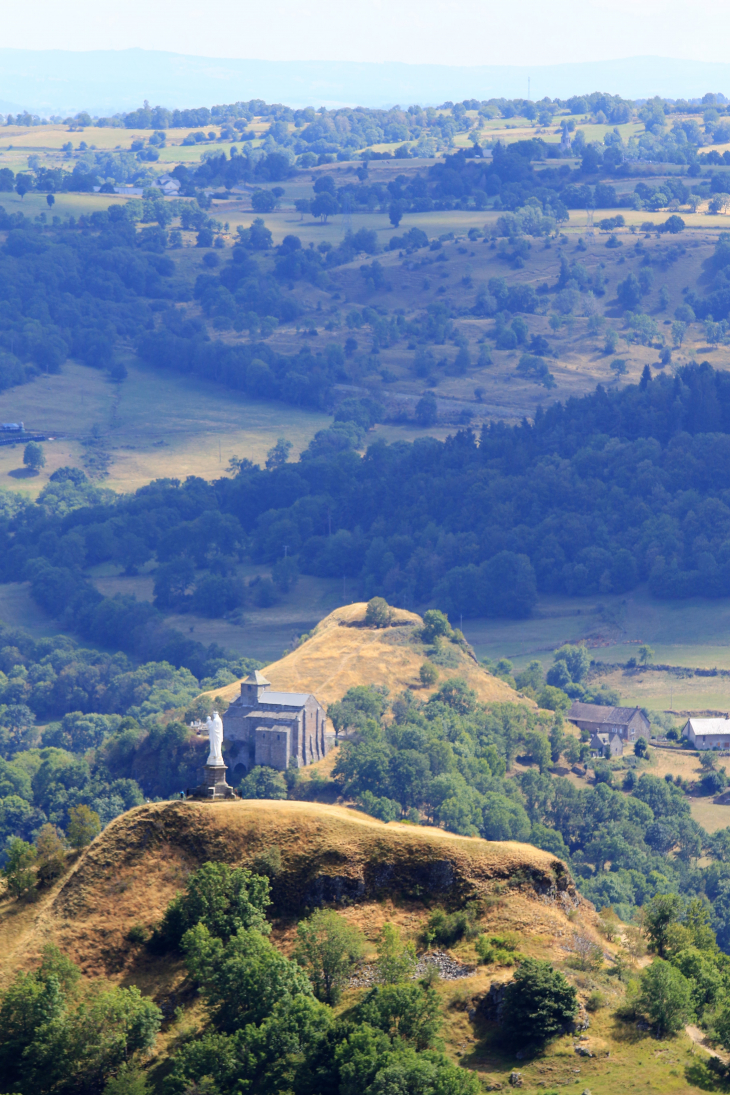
(215, 734)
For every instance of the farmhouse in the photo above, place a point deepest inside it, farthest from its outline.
(274, 728)
(629, 723)
(606, 745)
(708, 733)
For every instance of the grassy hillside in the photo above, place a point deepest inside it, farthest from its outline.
(374, 873)
(341, 653)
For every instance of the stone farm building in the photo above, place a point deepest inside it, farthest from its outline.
(708, 733)
(629, 723)
(606, 745)
(273, 728)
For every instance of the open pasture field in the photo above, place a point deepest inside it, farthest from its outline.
(692, 633)
(153, 425)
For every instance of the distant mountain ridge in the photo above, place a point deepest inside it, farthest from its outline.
(109, 81)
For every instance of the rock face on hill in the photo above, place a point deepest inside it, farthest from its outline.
(330, 855)
(341, 653)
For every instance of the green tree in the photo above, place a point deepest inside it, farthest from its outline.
(18, 870)
(428, 675)
(645, 654)
(435, 625)
(50, 201)
(263, 782)
(33, 456)
(59, 1036)
(530, 677)
(558, 741)
(262, 201)
(323, 206)
(665, 997)
(610, 342)
(224, 899)
(128, 1081)
(538, 1004)
(378, 613)
(51, 852)
(427, 409)
(661, 912)
(396, 209)
(278, 456)
(553, 699)
(538, 747)
(242, 979)
(328, 947)
(84, 825)
(396, 959)
(577, 660)
(408, 1011)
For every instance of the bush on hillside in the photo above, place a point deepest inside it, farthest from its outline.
(539, 1004)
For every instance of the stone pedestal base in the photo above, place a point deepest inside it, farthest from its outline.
(214, 784)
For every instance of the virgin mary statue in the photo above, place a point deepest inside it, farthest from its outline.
(215, 734)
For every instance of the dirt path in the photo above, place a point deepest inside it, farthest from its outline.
(699, 1038)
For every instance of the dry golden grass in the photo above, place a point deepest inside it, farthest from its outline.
(129, 874)
(340, 655)
(329, 853)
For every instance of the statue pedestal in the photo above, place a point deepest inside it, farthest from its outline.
(214, 784)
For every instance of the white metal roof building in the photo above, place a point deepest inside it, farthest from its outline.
(708, 733)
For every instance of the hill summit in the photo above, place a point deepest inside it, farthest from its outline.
(341, 652)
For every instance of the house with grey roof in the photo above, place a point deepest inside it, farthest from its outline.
(708, 733)
(605, 745)
(263, 727)
(629, 723)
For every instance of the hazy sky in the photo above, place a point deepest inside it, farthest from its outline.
(455, 32)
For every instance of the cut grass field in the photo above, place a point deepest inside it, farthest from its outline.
(693, 632)
(154, 425)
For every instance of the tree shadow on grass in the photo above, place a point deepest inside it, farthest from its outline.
(24, 473)
(627, 1031)
(708, 1075)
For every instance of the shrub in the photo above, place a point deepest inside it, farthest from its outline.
(498, 950)
(378, 613)
(539, 1003)
(448, 928)
(428, 675)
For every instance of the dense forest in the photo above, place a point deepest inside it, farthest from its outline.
(597, 495)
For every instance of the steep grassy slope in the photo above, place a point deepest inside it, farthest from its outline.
(341, 652)
(329, 855)
(373, 873)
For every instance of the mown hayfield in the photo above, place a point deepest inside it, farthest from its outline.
(153, 425)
